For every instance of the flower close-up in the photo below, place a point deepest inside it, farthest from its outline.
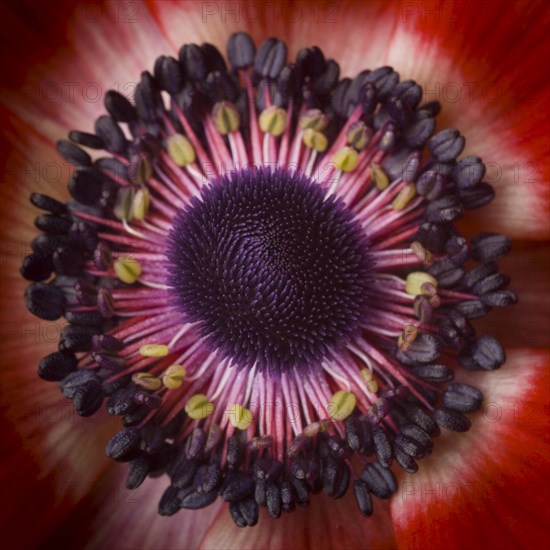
(275, 275)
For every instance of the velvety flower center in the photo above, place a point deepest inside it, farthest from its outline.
(262, 277)
(273, 270)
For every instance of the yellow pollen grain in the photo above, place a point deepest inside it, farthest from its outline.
(144, 170)
(407, 337)
(123, 203)
(358, 135)
(226, 117)
(127, 269)
(273, 120)
(379, 176)
(180, 150)
(424, 255)
(366, 375)
(312, 429)
(140, 204)
(146, 380)
(313, 119)
(154, 350)
(341, 405)
(240, 417)
(415, 280)
(372, 386)
(173, 377)
(404, 197)
(346, 159)
(370, 382)
(199, 407)
(315, 140)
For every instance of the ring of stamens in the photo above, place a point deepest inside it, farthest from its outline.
(142, 270)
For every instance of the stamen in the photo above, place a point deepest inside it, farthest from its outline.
(346, 159)
(240, 417)
(154, 350)
(358, 135)
(173, 377)
(226, 117)
(273, 121)
(341, 405)
(146, 380)
(405, 196)
(199, 407)
(370, 382)
(181, 150)
(140, 204)
(379, 177)
(416, 281)
(127, 269)
(315, 140)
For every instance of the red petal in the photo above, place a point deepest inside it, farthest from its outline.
(51, 456)
(113, 517)
(493, 89)
(487, 488)
(60, 65)
(324, 524)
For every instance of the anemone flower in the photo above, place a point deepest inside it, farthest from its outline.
(275, 259)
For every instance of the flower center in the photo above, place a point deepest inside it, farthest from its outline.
(275, 272)
(257, 327)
